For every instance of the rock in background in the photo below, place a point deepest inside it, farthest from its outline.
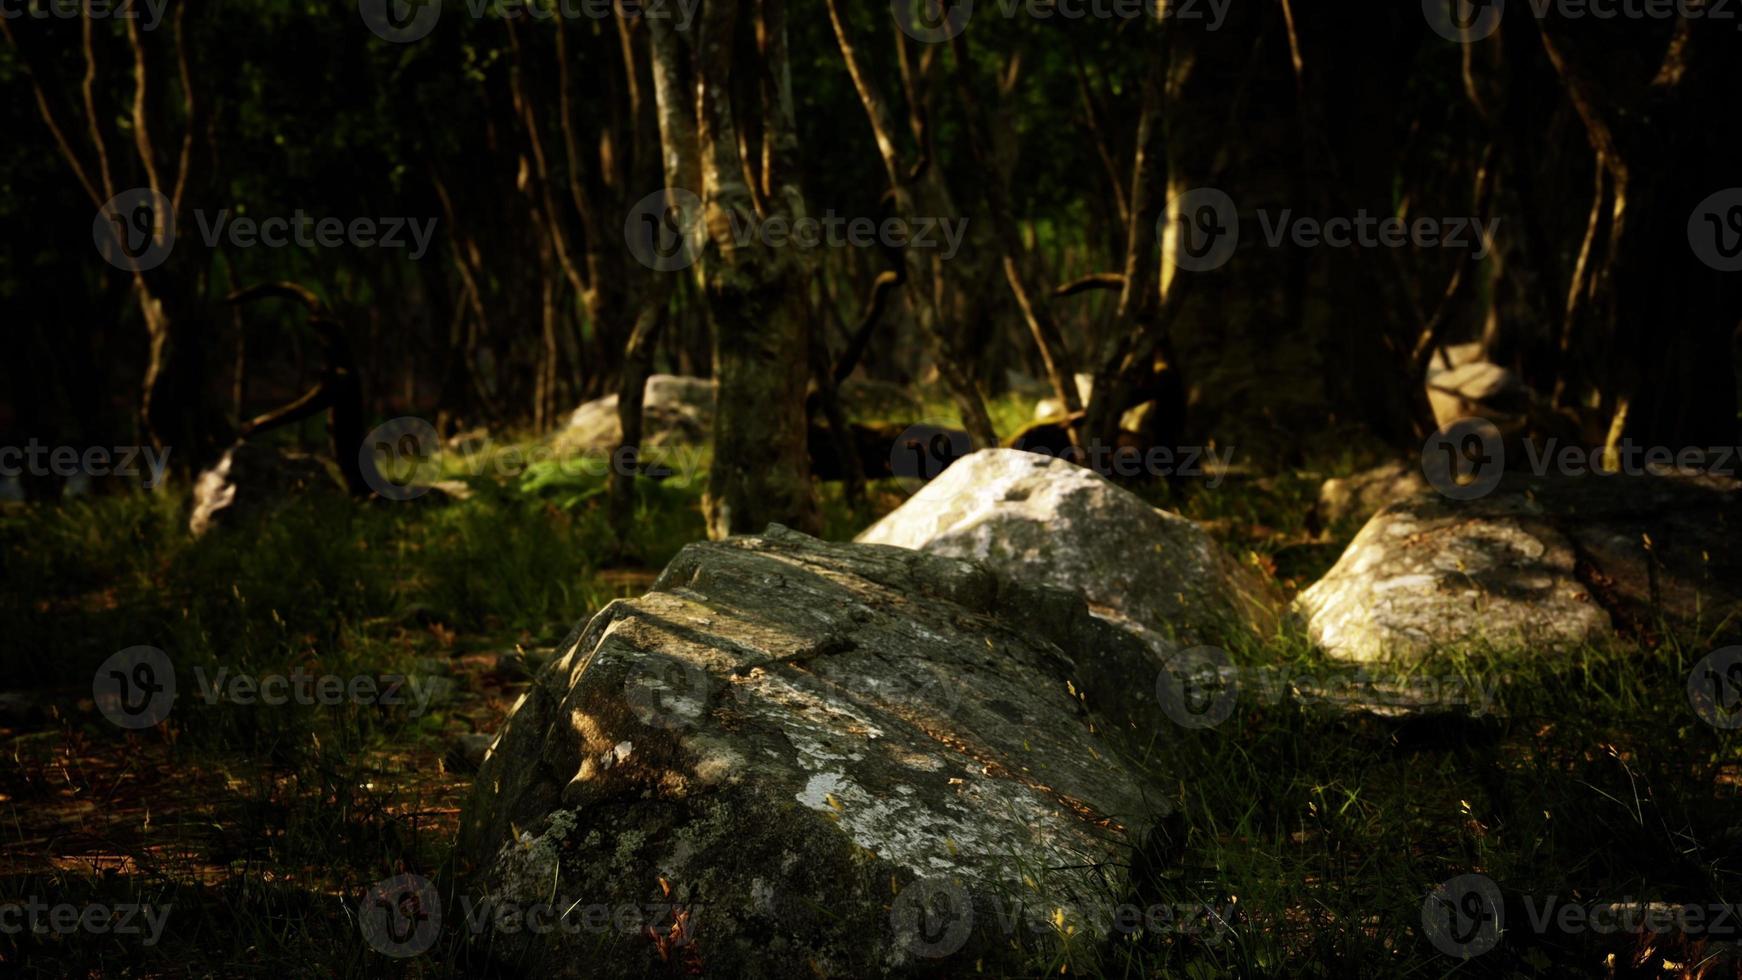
(677, 408)
(1037, 518)
(1541, 565)
(818, 759)
(1359, 497)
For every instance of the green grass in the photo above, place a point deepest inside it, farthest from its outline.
(1321, 829)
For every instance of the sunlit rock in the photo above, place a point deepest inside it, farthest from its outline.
(1041, 519)
(793, 758)
(1542, 565)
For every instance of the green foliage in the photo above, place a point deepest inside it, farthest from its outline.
(1301, 841)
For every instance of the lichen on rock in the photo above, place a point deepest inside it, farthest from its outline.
(784, 737)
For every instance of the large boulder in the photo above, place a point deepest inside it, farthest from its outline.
(1542, 564)
(793, 758)
(250, 480)
(1043, 519)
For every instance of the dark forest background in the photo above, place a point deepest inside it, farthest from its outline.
(1590, 141)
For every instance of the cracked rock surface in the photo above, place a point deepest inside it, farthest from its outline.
(794, 758)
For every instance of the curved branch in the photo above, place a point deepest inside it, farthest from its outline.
(1095, 280)
(881, 289)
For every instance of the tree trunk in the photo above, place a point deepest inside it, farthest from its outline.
(761, 471)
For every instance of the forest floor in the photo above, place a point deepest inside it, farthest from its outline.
(1308, 834)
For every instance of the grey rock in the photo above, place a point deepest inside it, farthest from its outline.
(674, 409)
(783, 752)
(1042, 519)
(1544, 564)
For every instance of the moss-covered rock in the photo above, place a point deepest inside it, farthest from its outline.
(793, 758)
